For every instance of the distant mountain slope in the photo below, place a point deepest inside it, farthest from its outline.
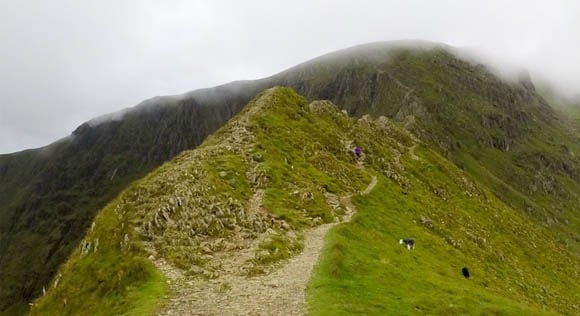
(49, 196)
(240, 202)
(501, 132)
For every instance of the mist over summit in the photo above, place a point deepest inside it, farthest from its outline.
(55, 77)
(376, 52)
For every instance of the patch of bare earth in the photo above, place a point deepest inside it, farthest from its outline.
(278, 292)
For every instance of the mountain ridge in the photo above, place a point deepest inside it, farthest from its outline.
(485, 125)
(237, 207)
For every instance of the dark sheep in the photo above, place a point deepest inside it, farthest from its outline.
(465, 272)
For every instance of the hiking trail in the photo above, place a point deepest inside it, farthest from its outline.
(280, 292)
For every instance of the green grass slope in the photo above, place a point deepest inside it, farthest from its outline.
(199, 204)
(516, 266)
(50, 196)
(501, 131)
(294, 156)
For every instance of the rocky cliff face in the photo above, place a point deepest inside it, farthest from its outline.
(49, 196)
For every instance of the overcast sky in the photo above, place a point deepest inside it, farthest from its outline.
(65, 62)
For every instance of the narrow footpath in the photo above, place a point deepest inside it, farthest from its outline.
(281, 292)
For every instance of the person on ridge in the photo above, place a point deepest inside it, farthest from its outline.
(357, 152)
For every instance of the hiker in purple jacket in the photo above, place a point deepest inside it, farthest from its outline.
(357, 152)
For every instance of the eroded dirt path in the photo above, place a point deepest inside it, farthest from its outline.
(280, 292)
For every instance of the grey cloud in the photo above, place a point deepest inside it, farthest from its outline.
(65, 62)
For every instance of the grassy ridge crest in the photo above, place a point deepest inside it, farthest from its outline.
(272, 172)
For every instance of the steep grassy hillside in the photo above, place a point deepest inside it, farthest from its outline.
(275, 170)
(503, 133)
(516, 266)
(199, 204)
(49, 196)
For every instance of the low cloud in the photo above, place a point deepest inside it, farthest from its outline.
(63, 63)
